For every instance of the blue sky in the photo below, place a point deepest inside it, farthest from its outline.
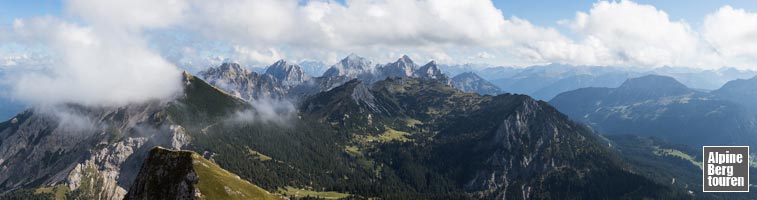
(548, 12)
(13, 9)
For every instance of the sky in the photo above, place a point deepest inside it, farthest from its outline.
(122, 51)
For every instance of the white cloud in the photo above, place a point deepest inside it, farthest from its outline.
(257, 57)
(732, 33)
(611, 33)
(105, 63)
(627, 33)
(108, 55)
(267, 110)
(375, 29)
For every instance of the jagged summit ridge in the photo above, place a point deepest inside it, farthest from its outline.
(290, 74)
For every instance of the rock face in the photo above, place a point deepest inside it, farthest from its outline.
(165, 174)
(356, 67)
(77, 145)
(403, 67)
(95, 152)
(289, 74)
(430, 70)
(351, 67)
(283, 80)
(470, 82)
(169, 174)
(248, 85)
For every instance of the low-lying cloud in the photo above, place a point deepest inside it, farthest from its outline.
(267, 110)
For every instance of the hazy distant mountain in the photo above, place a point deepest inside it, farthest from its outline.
(454, 70)
(662, 107)
(710, 79)
(743, 91)
(471, 82)
(313, 68)
(546, 81)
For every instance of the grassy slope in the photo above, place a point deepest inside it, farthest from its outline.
(677, 153)
(217, 183)
(58, 191)
(299, 193)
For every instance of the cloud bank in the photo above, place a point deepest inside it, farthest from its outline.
(618, 33)
(116, 52)
(106, 62)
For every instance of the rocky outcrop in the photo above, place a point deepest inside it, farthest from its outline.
(242, 83)
(172, 174)
(166, 174)
(289, 74)
(95, 151)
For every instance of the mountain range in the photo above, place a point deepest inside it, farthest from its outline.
(660, 106)
(546, 81)
(405, 135)
(283, 80)
(361, 130)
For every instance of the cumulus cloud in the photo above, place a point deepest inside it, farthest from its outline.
(106, 62)
(627, 33)
(732, 34)
(611, 33)
(258, 57)
(383, 30)
(118, 52)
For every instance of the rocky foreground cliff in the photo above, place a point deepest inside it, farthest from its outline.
(169, 174)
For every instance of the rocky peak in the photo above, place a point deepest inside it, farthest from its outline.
(290, 74)
(403, 67)
(225, 71)
(430, 70)
(351, 65)
(250, 85)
